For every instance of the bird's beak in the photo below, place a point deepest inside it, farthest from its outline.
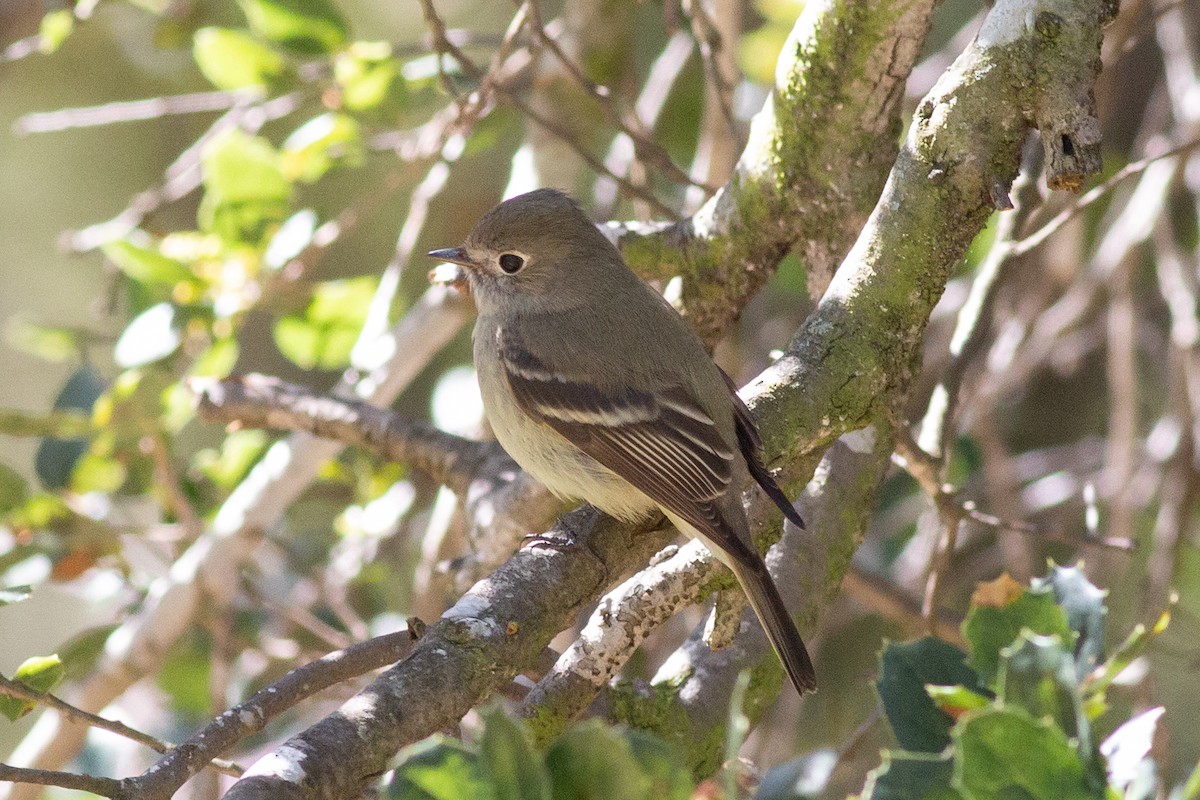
(451, 272)
(454, 255)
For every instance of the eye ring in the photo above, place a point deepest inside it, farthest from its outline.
(511, 263)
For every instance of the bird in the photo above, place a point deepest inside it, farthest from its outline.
(597, 387)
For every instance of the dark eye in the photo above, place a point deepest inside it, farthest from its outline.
(511, 263)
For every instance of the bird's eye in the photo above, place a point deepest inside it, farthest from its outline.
(511, 263)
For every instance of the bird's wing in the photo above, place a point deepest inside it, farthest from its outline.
(662, 442)
(750, 443)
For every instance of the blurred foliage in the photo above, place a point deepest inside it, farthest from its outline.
(271, 264)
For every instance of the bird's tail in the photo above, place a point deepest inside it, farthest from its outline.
(781, 630)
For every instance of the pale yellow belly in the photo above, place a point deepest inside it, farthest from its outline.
(561, 466)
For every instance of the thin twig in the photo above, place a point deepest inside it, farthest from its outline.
(166, 477)
(708, 37)
(166, 776)
(1039, 236)
(646, 149)
(105, 787)
(472, 69)
(65, 119)
(23, 692)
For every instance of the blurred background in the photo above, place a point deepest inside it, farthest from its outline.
(281, 169)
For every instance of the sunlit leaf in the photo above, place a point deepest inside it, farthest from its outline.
(152, 335)
(233, 59)
(1128, 747)
(305, 26)
(217, 361)
(238, 166)
(56, 26)
(238, 452)
(42, 674)
(144, 264)
(369, 76)
(325, 334)
(321, 143)
(245, 188)
(289, 241)
(96, 473)
(39, 511)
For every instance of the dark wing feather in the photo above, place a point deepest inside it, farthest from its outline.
(751, 445)
(661, 442)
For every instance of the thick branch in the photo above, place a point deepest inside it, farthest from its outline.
(817, 157)
(260, 401)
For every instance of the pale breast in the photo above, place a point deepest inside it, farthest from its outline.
(544, 453)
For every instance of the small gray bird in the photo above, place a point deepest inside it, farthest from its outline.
(600, 390)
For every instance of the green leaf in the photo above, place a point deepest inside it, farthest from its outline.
(368, 76)
(245, 188)
(80, 653)
(239, 451)
(955, 700)
(151, 336)
(217, 361)
(1083, 603)
(310, 27)
(56, 457)
(40, 673)
(186, 674)
(14, 594)
(904, 671)
(39, 511)
(670, 779)
(239, 167)
(97, 473)
(512, 766)
(911, 776)
(324, 336)
(233, 59)
(1038, 674)
(14, 489)
(145, 265)
(56, 26)
(1003, 753)
(43, 341)
(995, 619)
(438, 768)
(320, 144)
(592, 761)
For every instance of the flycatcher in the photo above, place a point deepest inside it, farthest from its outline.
(600, 390)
